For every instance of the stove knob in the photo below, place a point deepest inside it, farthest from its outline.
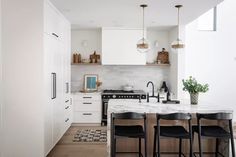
(114, 96)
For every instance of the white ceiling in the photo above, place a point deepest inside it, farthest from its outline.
(127, 13)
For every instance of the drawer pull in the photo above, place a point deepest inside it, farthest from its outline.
(54, 34)
(66, 101)
(67, 107)
(87, 114)
(87, 103)
(67, 120)
(87, 97)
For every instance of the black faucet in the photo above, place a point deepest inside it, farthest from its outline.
(158, 96)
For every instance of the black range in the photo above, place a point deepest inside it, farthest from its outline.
(118, 94)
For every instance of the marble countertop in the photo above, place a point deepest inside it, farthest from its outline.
(117, 105)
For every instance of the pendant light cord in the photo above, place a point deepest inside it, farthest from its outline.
(178, 23)
(143, 24)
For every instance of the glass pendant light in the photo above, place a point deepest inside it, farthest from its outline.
(178, 44)
(143, 46)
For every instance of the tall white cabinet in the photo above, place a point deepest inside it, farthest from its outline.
(35, 68)
(57, 76)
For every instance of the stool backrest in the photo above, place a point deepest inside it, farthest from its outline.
(128, 115)
(174, 116)
(215, 116)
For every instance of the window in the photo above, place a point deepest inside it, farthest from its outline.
(207, 22)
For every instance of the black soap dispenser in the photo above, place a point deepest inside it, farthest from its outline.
(166, 90)
(164, 87)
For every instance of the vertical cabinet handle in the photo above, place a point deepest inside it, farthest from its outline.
(67, 87)
(54, 84)
(54, 34)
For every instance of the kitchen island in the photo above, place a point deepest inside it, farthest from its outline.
(151, 108)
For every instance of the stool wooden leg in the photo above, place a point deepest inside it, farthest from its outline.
(200, 144)
(114, 148)
(139, 147)
(232, 138)
(158, 145)
(180, 147)
(217, 147)
(191, 146)
(154, 144)
(145, 145)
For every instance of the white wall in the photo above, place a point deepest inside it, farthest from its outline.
(154, 36)
(0, 78)
(22, 36)
(177, 60)
(113, 77)
(211, 56)
(93, 38)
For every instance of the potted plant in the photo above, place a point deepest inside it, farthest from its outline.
(194, 88)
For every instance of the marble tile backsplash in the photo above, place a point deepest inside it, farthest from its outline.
(114, 77)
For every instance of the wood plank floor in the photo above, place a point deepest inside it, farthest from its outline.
(67, 148)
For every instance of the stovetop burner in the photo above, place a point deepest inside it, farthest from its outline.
(117, 91)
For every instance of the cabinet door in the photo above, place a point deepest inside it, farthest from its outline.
(48, 68)
(58, 105)
(119, 47)
(53, 24)
(67, 75)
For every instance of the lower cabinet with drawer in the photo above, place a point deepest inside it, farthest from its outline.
(87, 117)
(68, 112)
(87, 108)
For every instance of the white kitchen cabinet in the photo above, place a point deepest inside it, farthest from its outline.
(119, 47)
(87, 107)
(58, 110)
(53, 24)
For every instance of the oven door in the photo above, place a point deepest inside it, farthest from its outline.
(104, 111)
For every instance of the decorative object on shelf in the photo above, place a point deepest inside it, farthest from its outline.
(143, 46)
(194, 88)
(76, 58)
(90, 82)
(94, 58)
(85, 60)
(163, 57)
(99, 84)
(178, 43)
(156, 44)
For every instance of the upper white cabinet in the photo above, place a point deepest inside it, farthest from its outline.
(53, 24)
(119, 47)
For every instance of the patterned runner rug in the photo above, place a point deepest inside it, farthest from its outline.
(90, 135)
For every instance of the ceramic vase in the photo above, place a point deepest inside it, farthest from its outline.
(194, 98)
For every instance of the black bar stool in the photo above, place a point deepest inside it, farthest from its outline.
(172, 132)
(129, 131)
(214, 131)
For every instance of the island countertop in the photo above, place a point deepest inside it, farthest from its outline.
(120, 106)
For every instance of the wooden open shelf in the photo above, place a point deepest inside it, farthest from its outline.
(154, 64)
(148, 64)
(86, 64)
